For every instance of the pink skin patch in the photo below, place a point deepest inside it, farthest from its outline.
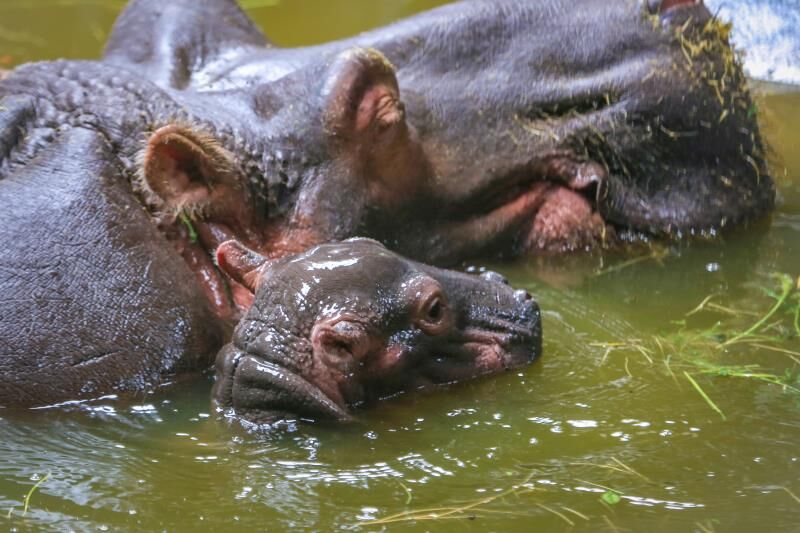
(666, 5)
(379, 104)
(210, 280)
(565, 221)
(491, 359)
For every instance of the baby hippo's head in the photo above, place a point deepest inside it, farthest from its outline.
(342, 324)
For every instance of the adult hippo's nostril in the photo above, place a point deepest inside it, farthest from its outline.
(663, 6)
(495, 277)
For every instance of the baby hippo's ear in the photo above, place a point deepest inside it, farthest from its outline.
(340, 340)
(243, 265)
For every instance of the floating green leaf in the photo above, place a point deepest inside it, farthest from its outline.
(611, 498)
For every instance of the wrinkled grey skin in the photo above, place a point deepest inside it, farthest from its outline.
(93, 301)
(499, 127)
(597, 95)
(340, 325)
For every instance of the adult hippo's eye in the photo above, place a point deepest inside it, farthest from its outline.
(433, 314)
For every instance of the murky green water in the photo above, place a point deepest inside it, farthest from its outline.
(580, 423)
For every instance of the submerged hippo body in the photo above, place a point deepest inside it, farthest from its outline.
(94, 300)
(342, 324)
(480, 128)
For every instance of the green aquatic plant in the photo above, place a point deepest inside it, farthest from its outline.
(466, 510)
(702, 393)
(611, 498)
(26, 502)
(716, 351)
(489, 506)
(187, 221)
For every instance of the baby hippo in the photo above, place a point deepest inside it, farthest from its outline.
(343, 324)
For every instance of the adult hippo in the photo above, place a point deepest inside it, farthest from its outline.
(346, 323)
(487, 127)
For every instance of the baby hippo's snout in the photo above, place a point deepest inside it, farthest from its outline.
(344, 324)
(496, 277)
(522, 296)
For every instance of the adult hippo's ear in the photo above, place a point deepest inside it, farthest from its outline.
(365, 120)
(189, 172)
(169, 41)
(362, 95)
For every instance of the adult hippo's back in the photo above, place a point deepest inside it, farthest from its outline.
(94, 299)
(480, 128)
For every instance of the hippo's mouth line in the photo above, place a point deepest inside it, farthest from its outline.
(276, 382)
(496, 330)
(485, 349)
(545, 215)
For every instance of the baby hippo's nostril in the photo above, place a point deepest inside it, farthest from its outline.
(522, 296)
(662, 6)
(490, 275)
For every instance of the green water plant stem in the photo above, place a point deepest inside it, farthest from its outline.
(186, 221)
(705, 396)
(438, 513)
(787, 287)
(791, 494)
(797, 308)
(30, 493)
(27, 501)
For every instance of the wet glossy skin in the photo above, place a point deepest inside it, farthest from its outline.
(621, 120)
(659, 138)
(344, 324)
(93, 300)
(164, 461)
(564, 126)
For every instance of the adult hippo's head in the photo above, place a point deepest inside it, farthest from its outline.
(479, 128)
(346, 323)
(565, 125)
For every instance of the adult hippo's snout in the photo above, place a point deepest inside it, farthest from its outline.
(567, 125)
(344, 324)
(625, 120)
(664, 7)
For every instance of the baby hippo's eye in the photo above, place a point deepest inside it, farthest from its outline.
(435, 310)
(433, 313)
